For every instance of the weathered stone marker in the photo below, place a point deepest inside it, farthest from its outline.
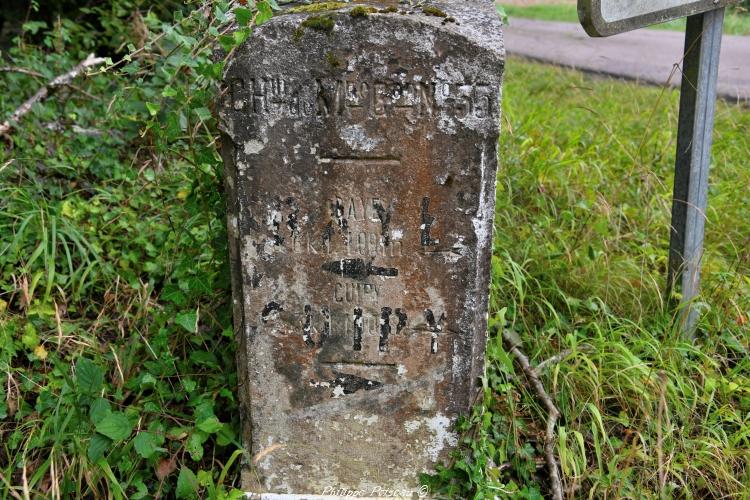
(360, 149)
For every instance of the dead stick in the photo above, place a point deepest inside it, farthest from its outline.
(660, 434)
(552, 412)
(49, 89)
(24, 71)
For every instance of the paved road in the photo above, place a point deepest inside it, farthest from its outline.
(643, 55)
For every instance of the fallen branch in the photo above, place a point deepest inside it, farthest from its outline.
(561, 356)
(553, 360)
(48, 90)
(512, 343)
(23, 71)
(660, 433)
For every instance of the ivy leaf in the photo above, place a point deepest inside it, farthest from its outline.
(89, 377)
(153, 108)
(145, 444)
(115, 426)
(187, 484)
(241, 35)
(242, 15)
(203, 113)
(188, 320)
(264, 12)
(226, 42)
(97, 447)
(173, 294)
(200, 284)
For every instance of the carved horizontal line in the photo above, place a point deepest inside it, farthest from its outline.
(358, 364)
(361, 162)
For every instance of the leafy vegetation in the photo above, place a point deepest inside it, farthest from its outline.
(736, 20)
(117, 374)
(583, 203)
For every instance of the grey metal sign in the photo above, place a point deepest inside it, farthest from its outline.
(699, 71)
(609, 17)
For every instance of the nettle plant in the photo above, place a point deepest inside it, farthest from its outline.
(117, 373)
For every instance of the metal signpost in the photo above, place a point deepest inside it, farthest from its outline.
(700, 67)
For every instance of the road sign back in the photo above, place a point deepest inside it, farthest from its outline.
(609, 17)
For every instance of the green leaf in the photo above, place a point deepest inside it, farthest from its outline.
(173, 294)
(194, 445)
(89, 377)
(241, 35)
(225, 436)
(97, 447)
(115, 426)
(99, 409)
(200, 284)
(30, 338)
(204, 358)
(264, 12)
(153, 108)
(145, 444)
(243, 15)
(204, 114)
(210, 425)
(189, 385)
(187, 484)
(188, 320)
(226, 42)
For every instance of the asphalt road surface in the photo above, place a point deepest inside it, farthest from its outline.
(645, 55)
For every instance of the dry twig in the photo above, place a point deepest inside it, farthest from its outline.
(23, 71)
(660, 434)
(552, 412)
(48, 90)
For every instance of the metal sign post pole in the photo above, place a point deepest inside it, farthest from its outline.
(694, 138)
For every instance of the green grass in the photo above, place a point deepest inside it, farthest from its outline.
(736, 22)
(117, 375)
(583, 207)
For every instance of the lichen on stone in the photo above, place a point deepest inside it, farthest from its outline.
(431, 10)
(316, 7)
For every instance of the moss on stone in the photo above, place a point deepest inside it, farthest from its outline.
(316, 7)
(333, 60)
(319, 23)
(389, 10)
(431, 10)
(362, 11)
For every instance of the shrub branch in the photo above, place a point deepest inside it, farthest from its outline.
(48, 90)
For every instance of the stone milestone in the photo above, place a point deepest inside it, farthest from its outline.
(360, 148)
